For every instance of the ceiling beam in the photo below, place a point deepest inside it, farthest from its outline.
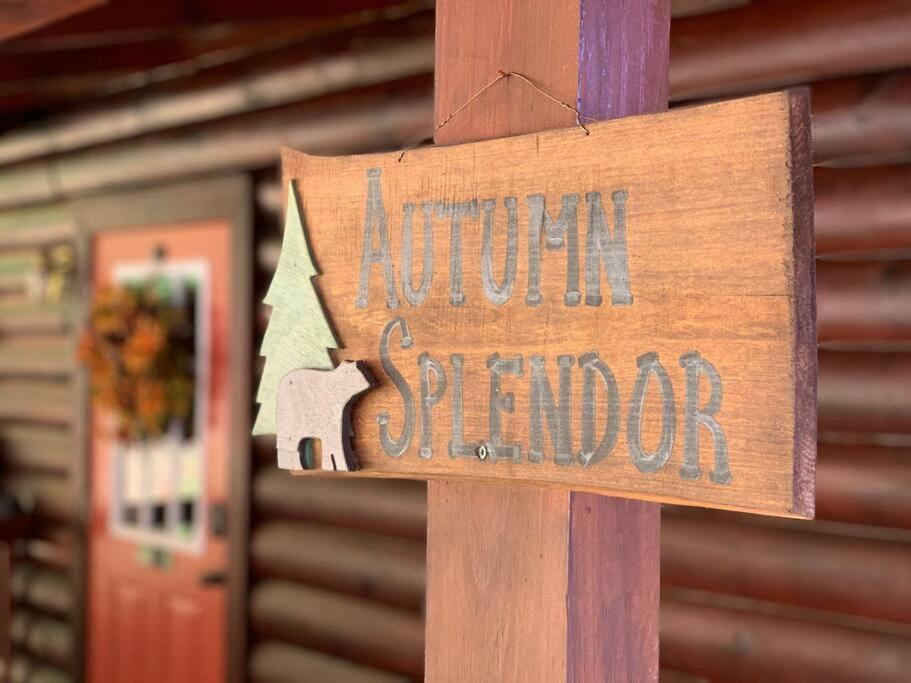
(25, 16)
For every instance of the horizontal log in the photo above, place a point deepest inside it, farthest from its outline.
(862, 120)
(259, 90)
(37, 447)
(250, 92)
(53, 549)
(21, 263)
(864, 392)
(863, 577)
(351, 628)
(692, 55)
(674, 676)
(396, 508)
(37, 401)
(365, 564)
(863, 208)
(242, 143)
(267, 252)
(38, 236)
(43, 589)
(693, 8)
(273, 662)
(15, 290)
(864, 485)
(773, 43)
(733, 645)
(32, 320)
(47, 496)
(45, 638)
(19, 19)
(27, 670)
(37, 356)
(863, 301)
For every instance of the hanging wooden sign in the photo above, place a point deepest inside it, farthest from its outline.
(627, 310)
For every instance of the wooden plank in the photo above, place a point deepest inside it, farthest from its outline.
(477, 593)
(364, 632)
(865, 392)
(274, 662)
(774, 43)
(863, 209)
(33, 320)
(692, 8)
(17, 18)
(35, 447)
(397, 508)
(864, 300)
(37, 235)
(748, 317)
(44, 638)
(800, 568)
(54, 551)
(49, 497)
(252, 91)
(27, 670)
(239, 143)
(43, 589)
(369, 565)
(37, 356)
(856, 121)
(6, 605)
(730, 645)
(639, 31)
(864, 485)
(32, 400)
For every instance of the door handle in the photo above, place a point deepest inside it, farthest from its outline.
(214, 578)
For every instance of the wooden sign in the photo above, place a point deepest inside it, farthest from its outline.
(628, 310)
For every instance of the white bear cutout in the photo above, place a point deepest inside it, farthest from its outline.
(315, 404)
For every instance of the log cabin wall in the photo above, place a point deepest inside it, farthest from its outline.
(364, 84)
(337, 568)
(40, 427)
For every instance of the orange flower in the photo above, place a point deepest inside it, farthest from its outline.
(143, 345)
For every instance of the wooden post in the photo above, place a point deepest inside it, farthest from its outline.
(527, 583)
(6, 607)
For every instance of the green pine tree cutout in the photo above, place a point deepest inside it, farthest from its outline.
(298, 335)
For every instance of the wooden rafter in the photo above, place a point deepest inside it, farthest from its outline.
(22, 16)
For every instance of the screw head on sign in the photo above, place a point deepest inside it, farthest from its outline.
(482, 452)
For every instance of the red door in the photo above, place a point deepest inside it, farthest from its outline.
(157, 556)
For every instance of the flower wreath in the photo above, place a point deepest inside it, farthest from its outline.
(139, 353)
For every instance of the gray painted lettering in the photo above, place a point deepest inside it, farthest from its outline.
(593, 367)
(500, 402)
(499, 294)
(456, 211)
(559, 418)
(693, 416)
(600, 245)
(457, 446)
(651, 462)
(376, 215)
(416, 296)
(428, 366)
(396, 447)
(564, 231)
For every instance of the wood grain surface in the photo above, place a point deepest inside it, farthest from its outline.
(716, 265)
(579, 547)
